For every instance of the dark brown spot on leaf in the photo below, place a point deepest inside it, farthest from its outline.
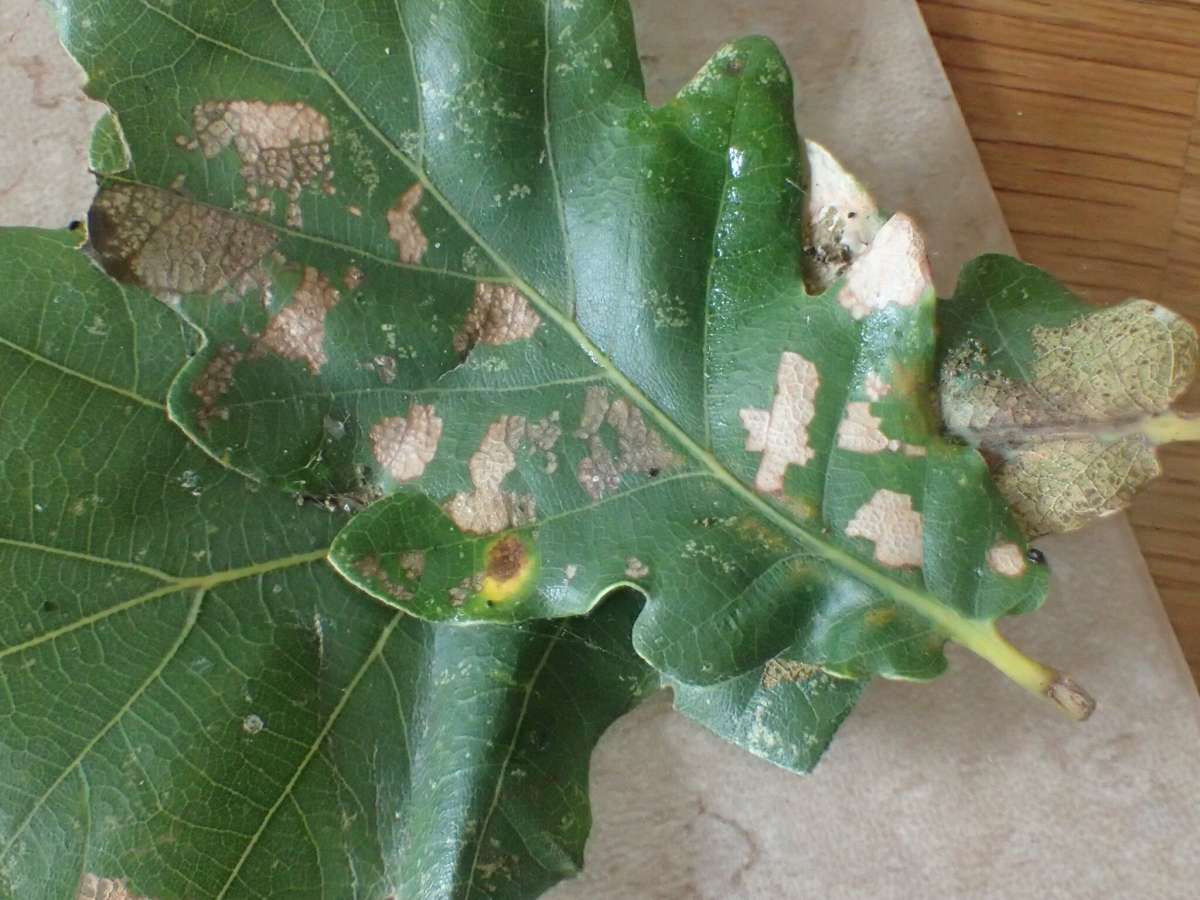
(506, 558)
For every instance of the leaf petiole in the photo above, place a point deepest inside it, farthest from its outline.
(987, 642)
(1172, 427)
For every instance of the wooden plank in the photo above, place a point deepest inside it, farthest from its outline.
(1087, 118)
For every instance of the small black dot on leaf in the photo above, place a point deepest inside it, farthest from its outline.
(653, 473)
(49, 606)
(1036, 556)
(74, 225)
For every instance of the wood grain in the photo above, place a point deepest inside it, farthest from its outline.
(1087, 116)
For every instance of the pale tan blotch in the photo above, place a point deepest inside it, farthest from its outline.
(383, 366)
(860, 432)
(640, 449)
(488, 508)
(636, 569)
(781, 435)
(875, 387)
(172, 246)
(282, 146)
(214, 383)
(413, 564)
(499, 315)
(843, 219)
(405, 445)
(597, 472)
(298, 330)
(465, 589)
(888, 519)
(1006, 559)
(543, 436)
(94, 887)
(893, 272)
(1074, 442)
(404, 229)
(353, 278)
(786, 671)
(370, 568)
(1058, 485)
(1106, 368)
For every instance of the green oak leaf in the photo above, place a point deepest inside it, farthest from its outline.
(1068, 401)
(450, 263)
(194, 704)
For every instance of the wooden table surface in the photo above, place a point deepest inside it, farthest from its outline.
(1087, 116)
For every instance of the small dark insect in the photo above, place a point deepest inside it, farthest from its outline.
(74, 225)
(653, 473)
(1036, 556)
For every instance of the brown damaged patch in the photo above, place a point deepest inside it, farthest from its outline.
(282, 146)
(298, 330)
(384, 366)
(640, 449)
(499, 315)
(842, 219)
(506, 558)
(171, 246)
(465, 589)
(370, 568)
(214, 383)
(1006, 559)
(404, 229)
(636, 569)
(889, 520)
(413, 564)
(94, 887)
(781, 433)
(405, 445)
(893, 272)
(786, 671)
(859, 431)
(488, 508)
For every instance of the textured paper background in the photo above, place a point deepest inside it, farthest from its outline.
(966, 788)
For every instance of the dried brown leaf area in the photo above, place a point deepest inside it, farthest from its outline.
(780, 434)
(93, 887)
(171, 246)
(489, 508)
(640, 449)
(215, 382)
(404, 229)
(499, 315)
(1074, 438)
(785, 671)
(405, 445)
(889, 521)
(298, 330)
(842, 220)
(281, 146)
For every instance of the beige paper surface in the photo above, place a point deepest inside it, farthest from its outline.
(966, 788)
